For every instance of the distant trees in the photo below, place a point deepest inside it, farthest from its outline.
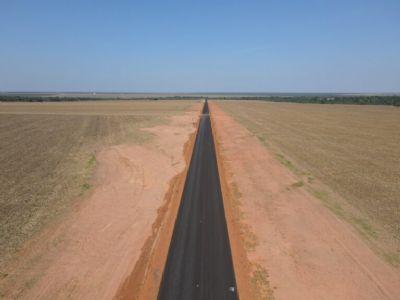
(334, 99)
(12, 98)
(15, 98)
(360, 100)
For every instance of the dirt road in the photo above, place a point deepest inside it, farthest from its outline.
(296, 247)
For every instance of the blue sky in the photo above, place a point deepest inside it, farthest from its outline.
(200, 46)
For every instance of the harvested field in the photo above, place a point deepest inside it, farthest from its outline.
(286, 244)
(48, 152)
(355, 150)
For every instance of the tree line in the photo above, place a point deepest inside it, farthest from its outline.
(360, 100)
(13, 98)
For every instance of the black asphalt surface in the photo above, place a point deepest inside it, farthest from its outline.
(199, 263)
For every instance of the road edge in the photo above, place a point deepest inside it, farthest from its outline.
(144, 280)
(242, 265)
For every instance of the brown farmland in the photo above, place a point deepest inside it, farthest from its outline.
(293, 236)
(61, 164)
(355, 150)
(89, 193)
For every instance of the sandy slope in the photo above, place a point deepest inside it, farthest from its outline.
(89, 255)
(307, 251)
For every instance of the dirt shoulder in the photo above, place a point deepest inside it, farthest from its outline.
(296, 247)
(91, 252)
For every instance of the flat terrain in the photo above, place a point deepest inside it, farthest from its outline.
(355, 150)
(289, 240)
(49, 151)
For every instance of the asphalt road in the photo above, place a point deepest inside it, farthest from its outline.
(199, 263)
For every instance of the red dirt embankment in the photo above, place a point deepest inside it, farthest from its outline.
(145, 279)
(111, 234)
(295, 247)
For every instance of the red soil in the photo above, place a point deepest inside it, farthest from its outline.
(90, 253)
(306, 250)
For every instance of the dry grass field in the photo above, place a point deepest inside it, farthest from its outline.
(354, 150)
(47, 152)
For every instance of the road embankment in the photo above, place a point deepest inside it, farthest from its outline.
(144, 281)
(297, 248)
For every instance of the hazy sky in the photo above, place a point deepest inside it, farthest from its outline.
(200, 46)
